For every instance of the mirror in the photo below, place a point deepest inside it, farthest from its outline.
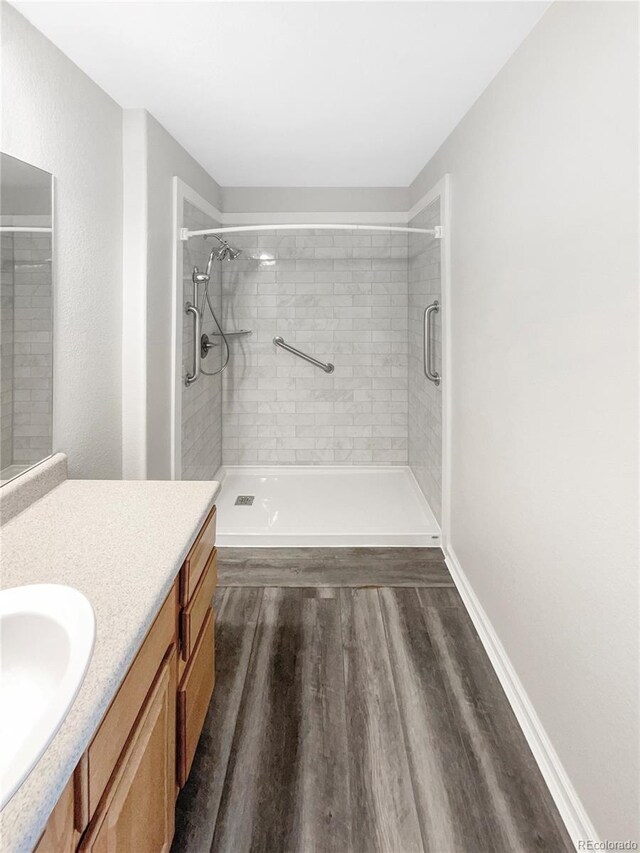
(26, 319)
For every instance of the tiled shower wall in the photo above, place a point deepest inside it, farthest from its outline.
(341, 297)
(425, 398)
(27, 348)
(6, 351)
(202, 401)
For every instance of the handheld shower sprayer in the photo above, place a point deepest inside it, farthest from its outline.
(224, 253)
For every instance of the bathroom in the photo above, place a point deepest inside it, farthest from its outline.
(319, 452)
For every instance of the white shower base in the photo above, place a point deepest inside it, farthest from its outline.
(323, 506)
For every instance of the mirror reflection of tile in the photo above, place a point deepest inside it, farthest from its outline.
(26, 325)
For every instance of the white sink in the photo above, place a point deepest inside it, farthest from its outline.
(46, 639)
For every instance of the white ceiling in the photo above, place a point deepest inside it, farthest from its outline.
(295, 93)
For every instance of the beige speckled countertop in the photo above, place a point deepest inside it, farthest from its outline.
(121, 543)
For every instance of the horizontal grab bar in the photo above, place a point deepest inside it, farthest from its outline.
(328, 368)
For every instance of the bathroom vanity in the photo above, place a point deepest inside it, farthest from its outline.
(122, 794)
(146, 559)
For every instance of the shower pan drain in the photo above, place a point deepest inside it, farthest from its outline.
(244, 500)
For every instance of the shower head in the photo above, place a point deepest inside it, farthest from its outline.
(225, 252)
(229, 253)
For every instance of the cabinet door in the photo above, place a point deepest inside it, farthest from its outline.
(115, 729)
(137, 810)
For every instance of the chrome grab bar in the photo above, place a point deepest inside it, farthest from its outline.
(429, 372)
(328, 368)
(190, 378)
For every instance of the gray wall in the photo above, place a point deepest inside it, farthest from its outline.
(544, 357)
(56, 118)
(314, 199)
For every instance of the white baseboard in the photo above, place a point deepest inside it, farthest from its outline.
(564, 795)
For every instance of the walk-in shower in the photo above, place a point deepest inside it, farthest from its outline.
(329, 413)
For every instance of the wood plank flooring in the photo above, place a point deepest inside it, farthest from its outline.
(332, 567)
(351, 719)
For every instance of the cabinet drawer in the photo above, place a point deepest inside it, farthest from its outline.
(137, 810)
(108, 742)
(197, 558)
(194, 614)
(194, 694)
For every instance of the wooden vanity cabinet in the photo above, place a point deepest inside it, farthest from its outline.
(117, 726)
(194, 612)
(197, 558)
(122, 795)
(60, 835)
(196, 667)
(194, 695)
(137, 811)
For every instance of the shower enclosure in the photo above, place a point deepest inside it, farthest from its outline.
(308, 455)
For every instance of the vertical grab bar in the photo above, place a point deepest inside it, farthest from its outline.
(429, 372)
(190, 378)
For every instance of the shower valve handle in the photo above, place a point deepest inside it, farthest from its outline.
(206, 345)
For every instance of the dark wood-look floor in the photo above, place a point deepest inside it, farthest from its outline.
(332, 567)
(351, 719)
